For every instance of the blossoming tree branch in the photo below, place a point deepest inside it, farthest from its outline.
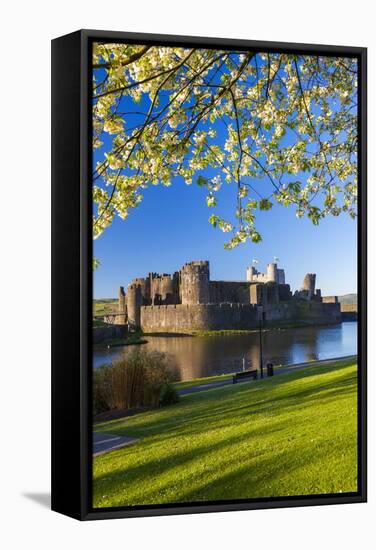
(280, 128)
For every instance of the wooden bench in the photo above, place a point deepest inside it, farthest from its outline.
(244, 374)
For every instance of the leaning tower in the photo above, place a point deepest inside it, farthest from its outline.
(194, 283)
(309, 282)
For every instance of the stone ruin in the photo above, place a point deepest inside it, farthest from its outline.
(189, 300)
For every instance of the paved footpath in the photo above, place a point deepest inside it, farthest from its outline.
(277, 371)
(103, 443)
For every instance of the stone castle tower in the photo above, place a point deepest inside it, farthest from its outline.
(273, 274)
(308, 290)
(134, 302)
(194, 283)
(309, 284)
(121, 317)
(164, 288)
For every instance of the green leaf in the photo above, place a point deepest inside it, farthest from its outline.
(295, 186)
(256, 237)
(214, 220)
(202, 181)
(265, 204)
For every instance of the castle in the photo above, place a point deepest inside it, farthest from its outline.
(188, 300)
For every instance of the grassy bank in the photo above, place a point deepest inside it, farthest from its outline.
(267, 326)
(292, 434)
(222, 332)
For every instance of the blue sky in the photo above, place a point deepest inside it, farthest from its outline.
(171, 226)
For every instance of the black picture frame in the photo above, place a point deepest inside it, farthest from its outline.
(72, 275)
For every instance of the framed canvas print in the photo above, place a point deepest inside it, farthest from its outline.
(209, 274)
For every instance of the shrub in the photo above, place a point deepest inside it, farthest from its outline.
(102, 389)
(168, 395)
(136, 380)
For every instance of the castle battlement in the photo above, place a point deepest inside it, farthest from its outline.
(196, 263)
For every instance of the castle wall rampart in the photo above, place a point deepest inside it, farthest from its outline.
(305, 313)
(330, 299)
(225, 316)
(182, 317)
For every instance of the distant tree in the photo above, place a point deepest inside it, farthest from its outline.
(282, 128)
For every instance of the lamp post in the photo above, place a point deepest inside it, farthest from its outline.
(260, 340)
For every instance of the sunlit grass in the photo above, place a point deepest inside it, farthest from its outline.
(294, 434)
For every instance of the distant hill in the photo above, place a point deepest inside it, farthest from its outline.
(105, 306)
(348, 299)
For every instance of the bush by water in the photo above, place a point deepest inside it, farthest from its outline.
(140, 380)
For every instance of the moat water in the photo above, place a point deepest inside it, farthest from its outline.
(200, 356)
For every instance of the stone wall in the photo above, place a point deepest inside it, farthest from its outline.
(184, 318)
(284, 292)
(349, 312)
(349, 307)
(304, 313)
(330, 299)
(229, 291)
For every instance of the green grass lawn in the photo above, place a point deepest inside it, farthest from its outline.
(293, 434)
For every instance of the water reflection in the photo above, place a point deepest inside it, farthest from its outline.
(196, 357)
